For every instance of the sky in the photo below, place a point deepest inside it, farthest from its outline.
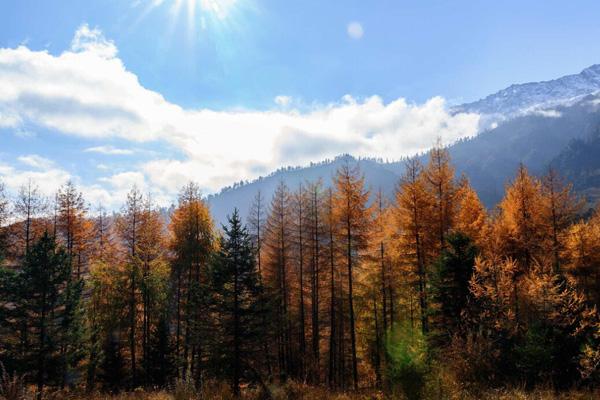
(111, 93)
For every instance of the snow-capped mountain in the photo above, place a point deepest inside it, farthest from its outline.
(526, 98)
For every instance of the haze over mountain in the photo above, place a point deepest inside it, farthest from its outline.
(539, 124)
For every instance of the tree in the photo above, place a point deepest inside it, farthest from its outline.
(107, 312)
(73, 228)
(412, 212)
(238, 296)
(277, 273)
(352, 217)
(439, 182)
(29, 205)
(582, 257)
(192, 243)
(560, 208)
(450, 287)
(299, 233)
(519, 228)
(519, 225)
(154, 279)
(43, 301)
(471, 216)
(256, 226)
(334, 346)
(128, 226)
(72, 224)
(315, 244)
(4, 214)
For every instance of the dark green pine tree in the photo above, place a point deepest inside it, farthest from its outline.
(161, 366)
(43, 304)
(239, 304)
(450, 287)
(72, 332)
(112, 365)
(9, 332)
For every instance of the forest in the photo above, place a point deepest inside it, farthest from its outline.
(323, 290)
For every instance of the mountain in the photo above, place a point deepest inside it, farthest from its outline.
(564, 131)
(529, 97)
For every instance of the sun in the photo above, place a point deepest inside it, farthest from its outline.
(196, 14)
(218, 8)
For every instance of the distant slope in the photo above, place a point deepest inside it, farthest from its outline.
(579, 163)
(491, 158)
(376, 175)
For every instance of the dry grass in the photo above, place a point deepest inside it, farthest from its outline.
(214, 390)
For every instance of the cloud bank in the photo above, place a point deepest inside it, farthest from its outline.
(87, 92)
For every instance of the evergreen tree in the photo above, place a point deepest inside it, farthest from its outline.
(112, 367)
(44, 303)
(161, 369)
(450, 291)
(238, 298)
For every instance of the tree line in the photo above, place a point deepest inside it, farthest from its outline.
(331, 285)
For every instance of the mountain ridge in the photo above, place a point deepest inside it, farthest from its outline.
(526, 97)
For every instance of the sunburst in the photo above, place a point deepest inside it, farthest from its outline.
(198, 14)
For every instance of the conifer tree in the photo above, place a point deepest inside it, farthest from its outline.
(4, 214)
(192, 244)
(450, 290)
(412, 212)
(353, 220)
(334, 346)
(582, 255)
(29, 206)
(256, 226)
(72, 225)
(315, 244)
(238, 300)
(299, 205)
(439, 182)
(471, 216)
(519, 228)
(43, 302)
(278, 273)
(128, 226)
(560, 209)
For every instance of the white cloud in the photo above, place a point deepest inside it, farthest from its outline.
(35, 161)
(283, 101)
(355, 30)
(109, 150)
(92, 40)
(87, 92)
(48, 179)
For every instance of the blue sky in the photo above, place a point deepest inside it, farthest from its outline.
(155, 94)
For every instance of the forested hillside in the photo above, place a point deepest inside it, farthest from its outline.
(332, 286)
